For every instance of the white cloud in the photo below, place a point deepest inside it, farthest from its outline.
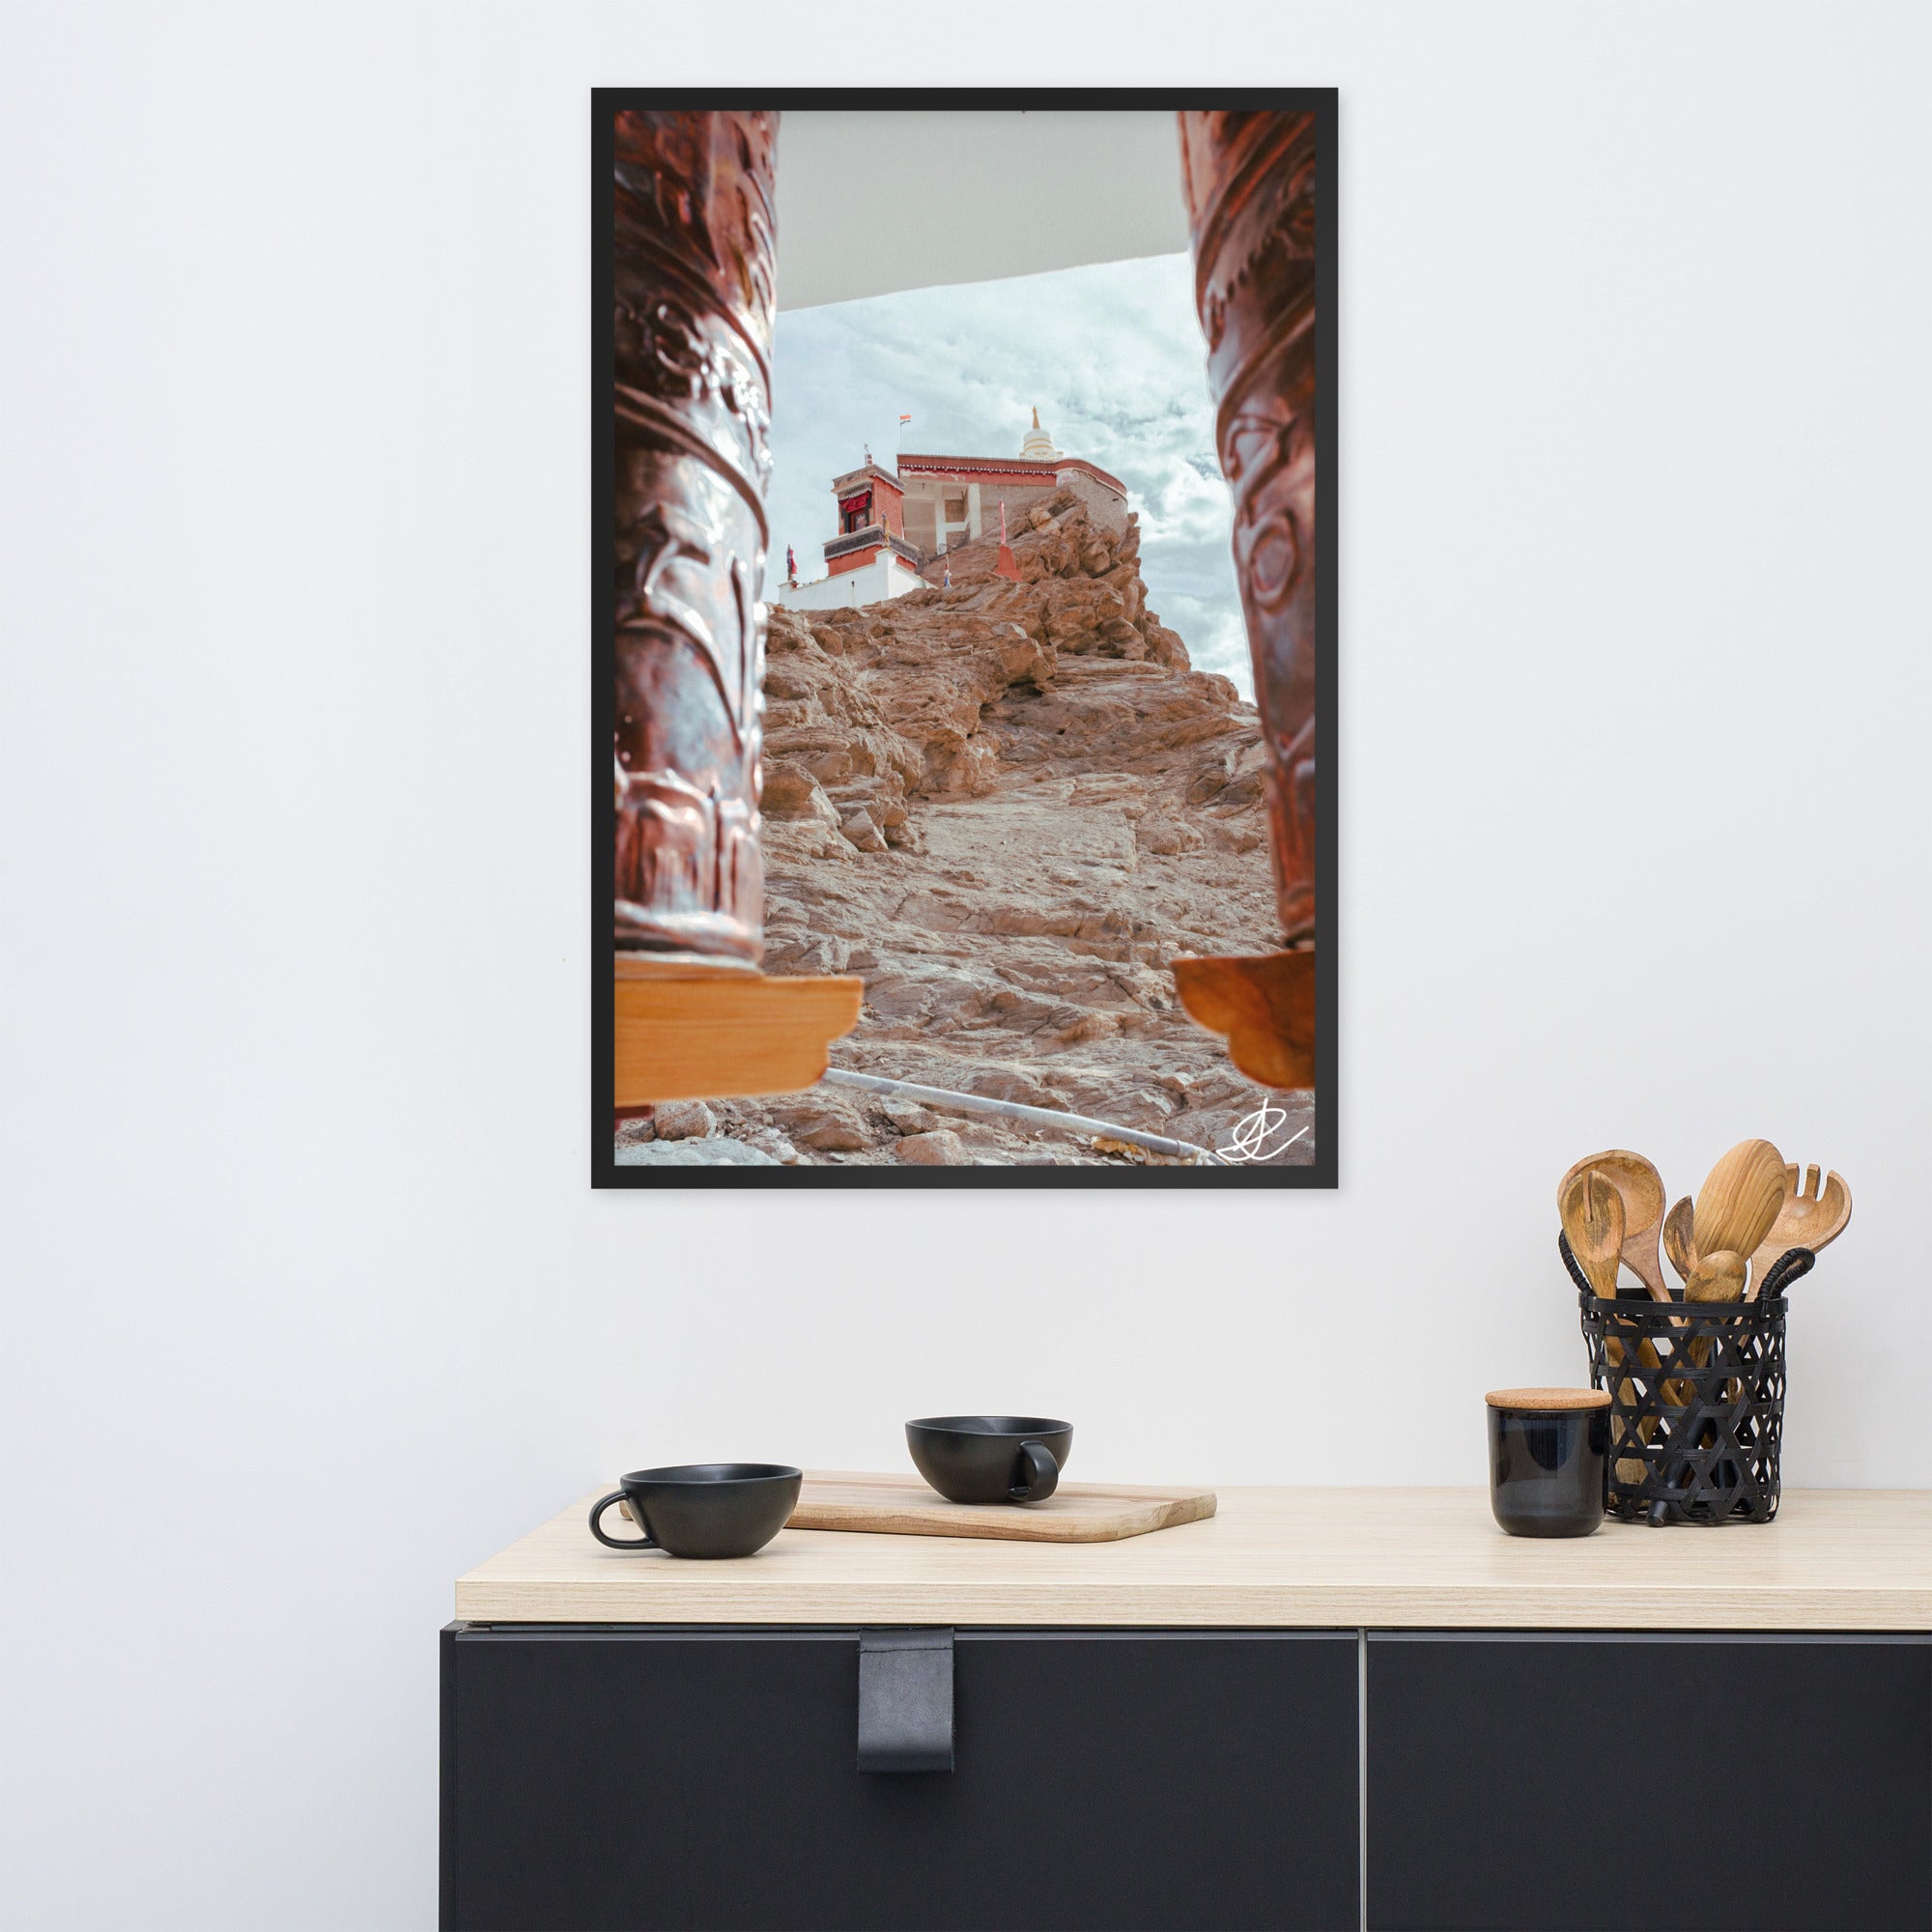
(1112, 357)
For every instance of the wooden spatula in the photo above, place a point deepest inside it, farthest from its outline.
(1641, 1187)
(1738, 1199)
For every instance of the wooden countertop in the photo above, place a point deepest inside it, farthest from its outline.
(1834, 1560)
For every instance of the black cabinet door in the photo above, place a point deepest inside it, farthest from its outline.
(1567, 1783)
(606, 1778)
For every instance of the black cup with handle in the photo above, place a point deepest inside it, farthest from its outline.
(990, 1459)
(702, 1509)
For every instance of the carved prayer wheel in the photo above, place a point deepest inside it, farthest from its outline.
(1249, 180)
(695, 300)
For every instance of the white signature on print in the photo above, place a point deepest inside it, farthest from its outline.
(1256, 1136)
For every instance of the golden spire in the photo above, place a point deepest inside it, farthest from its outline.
(1035, 416)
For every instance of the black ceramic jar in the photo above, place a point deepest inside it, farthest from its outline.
(1548, 1458)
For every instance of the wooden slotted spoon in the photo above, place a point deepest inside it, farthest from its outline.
(1641, 1187)
(1592, 1211)
(1809, 1216)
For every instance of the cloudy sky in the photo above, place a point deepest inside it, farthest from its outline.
(1111, 355)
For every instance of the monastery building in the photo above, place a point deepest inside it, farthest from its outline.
(895, 527)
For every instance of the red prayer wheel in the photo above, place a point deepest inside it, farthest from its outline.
(1249, 181)
(695, 301)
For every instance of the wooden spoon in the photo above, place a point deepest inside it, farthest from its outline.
(1808, 1218)
(1717, 1277)
(1642, 1190)
(1680, 1242)
(1739, 1200)
(1593, 1218)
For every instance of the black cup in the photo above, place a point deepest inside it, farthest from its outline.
(1549, 1460)
(703, 1509)
(990, 1459)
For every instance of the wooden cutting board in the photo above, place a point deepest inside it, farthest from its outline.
(1075, 1513)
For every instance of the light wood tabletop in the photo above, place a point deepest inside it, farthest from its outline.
(1834, 1560)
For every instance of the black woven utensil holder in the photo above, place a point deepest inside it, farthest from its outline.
(1696, 1398)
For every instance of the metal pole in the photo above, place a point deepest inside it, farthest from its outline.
(1076, 1124)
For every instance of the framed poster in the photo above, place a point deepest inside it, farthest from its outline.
(963, 755)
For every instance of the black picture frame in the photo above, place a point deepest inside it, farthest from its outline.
(1323, 1173)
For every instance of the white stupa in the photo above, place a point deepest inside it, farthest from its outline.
(1038, 445)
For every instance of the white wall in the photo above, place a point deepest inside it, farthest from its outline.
(309, 1304)
(886, 576)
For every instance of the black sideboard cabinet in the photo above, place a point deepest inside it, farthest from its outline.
(599, 1777)
(1562, 1782)
(603, 1779)
(1335, 1708)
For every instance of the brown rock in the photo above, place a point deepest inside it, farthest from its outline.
(1011, 1083)
(767, 1140)
(793, 798)
(683, 1120)
(941, 1148)
(1249, 789)
(1161, 834)
(1164, 646)
(1237, 837)
(828, 1125)
(861, 832)
(788, 788)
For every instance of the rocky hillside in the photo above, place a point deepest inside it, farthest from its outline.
(1008, 807)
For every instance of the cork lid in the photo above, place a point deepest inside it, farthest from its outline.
(1549, 1400)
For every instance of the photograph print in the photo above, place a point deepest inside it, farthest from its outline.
(963, 755)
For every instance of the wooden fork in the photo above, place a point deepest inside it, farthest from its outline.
(1809, 1216)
